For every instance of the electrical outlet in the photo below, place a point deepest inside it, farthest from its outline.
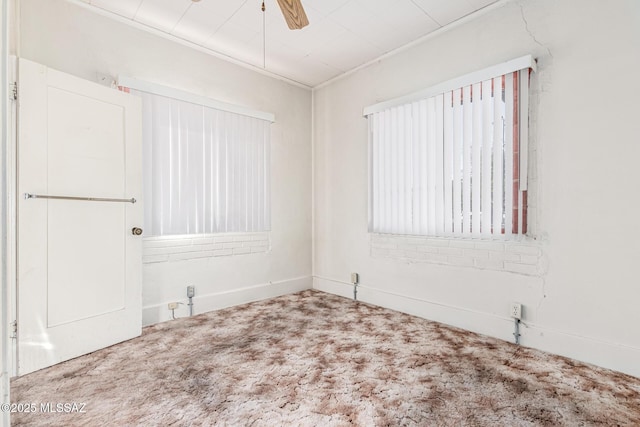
(516, 310)
(173, 305)
(355, 278)
(191, 291)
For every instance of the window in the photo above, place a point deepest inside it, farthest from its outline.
(206, 170)
(452, 160)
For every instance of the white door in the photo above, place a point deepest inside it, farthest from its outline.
(79, 264)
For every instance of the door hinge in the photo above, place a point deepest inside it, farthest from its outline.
(13, 91)
(14, 329)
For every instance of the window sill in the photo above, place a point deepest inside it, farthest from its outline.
(515, 254)
(156, 249)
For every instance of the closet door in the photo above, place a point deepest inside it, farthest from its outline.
(79, 260)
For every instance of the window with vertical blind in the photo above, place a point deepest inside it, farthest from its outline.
(452, 160)
(205, 170)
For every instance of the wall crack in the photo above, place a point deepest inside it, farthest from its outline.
(533, 37)
(544, 295)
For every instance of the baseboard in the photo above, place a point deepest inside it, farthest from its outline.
(482, 323)
(601, 353)
(216, 301)
(621, 358)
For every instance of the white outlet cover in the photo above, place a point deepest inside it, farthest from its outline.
(516, 310)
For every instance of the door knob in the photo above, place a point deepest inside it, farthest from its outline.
(136, 231)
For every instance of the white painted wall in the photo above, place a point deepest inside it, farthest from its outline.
(582, 300)
(69, 38)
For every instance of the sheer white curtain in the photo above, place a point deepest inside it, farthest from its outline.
(205, 170)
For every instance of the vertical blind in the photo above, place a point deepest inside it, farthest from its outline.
(205, 170)
(449, 164)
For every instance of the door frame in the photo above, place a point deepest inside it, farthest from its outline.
(9, 226)
(11, 221)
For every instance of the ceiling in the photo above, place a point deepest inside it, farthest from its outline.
(342, 34)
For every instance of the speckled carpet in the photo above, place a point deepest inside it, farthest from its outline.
(313, 359)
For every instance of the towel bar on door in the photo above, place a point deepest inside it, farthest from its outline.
(90, 199)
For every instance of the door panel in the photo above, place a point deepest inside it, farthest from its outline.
(88, 152)
(79, 266)
(79, 236)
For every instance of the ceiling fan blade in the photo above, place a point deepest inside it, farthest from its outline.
(293, 14)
